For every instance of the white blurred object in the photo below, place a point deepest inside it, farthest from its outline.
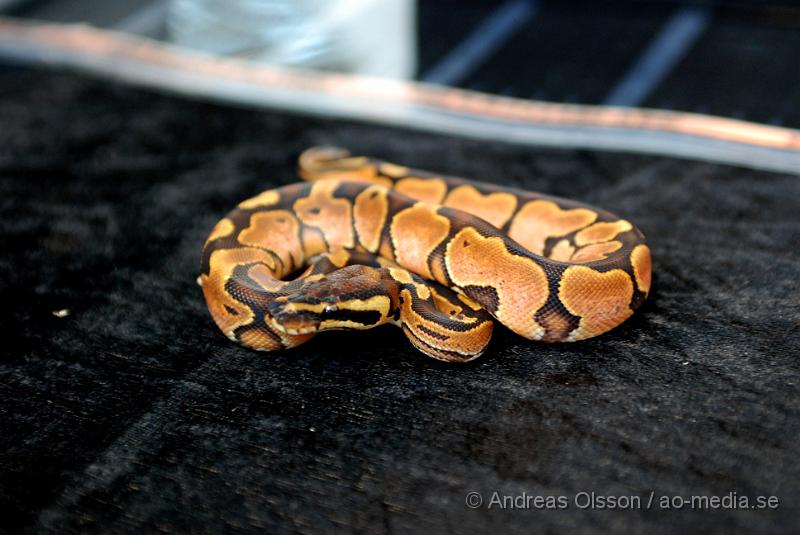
(374, 37)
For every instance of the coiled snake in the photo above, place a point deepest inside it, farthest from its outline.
(372, 236)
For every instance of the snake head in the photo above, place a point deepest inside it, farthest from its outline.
(354, 297)
(297, 315)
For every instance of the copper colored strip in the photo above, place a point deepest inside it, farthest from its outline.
(427, 107)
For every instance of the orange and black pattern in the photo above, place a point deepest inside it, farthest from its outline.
(438, 256)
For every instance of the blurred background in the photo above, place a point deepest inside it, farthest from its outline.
(122, 407)
(733, 59)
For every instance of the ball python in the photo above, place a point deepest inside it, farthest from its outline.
(439, 256)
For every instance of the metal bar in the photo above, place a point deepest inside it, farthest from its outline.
(147, 21)
(164, 67)
(482, 43)
(661, 55)
(6, 5)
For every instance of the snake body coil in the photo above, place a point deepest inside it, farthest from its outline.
(372, 236)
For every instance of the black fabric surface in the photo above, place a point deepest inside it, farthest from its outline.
(133, 413)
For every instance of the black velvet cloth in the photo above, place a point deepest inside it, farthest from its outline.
(134, 413)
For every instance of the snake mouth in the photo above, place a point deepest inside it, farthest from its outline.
(293, 317)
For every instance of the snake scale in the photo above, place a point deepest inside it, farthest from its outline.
(375, 242)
